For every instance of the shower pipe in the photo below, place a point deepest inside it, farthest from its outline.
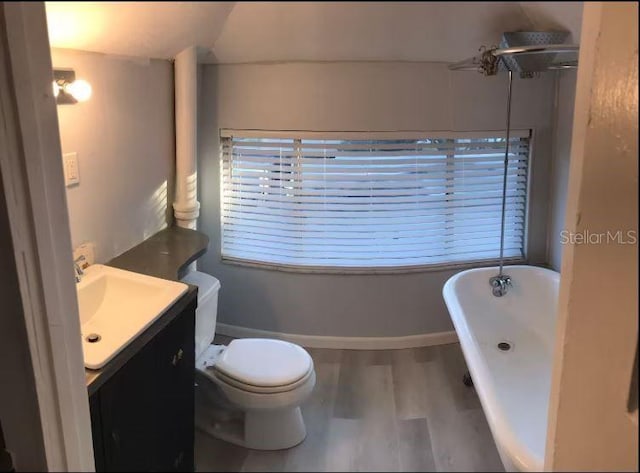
(501, 283)
(488, 65)
(504, 178)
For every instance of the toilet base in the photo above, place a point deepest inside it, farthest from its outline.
(274, 429)
(261, 430)
(258, 429)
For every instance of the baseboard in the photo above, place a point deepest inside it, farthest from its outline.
(348, 343)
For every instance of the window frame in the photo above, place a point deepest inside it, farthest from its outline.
(375, 135)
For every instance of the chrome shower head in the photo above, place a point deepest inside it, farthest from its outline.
(524, 52)
(537, 60)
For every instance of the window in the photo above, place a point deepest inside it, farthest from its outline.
(374, 200)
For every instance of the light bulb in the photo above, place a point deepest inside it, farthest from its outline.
(56, 89)
(79, 90)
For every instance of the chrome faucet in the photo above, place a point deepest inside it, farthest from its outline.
(78, 268)
(500, 284)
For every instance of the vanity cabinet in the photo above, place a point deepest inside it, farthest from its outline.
(143, 415)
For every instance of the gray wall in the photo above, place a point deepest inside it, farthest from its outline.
(354, 96)
(124, 137)
(566, 94)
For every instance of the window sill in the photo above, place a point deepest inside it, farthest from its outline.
(369, 270)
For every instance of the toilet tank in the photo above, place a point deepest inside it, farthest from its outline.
(207, 311)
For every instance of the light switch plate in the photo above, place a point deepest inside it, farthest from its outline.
(88, 250)
(71, 172)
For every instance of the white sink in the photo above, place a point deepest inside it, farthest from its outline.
(116, 306)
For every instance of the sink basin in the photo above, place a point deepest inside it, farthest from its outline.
(116, 306)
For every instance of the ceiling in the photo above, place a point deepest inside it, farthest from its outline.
(237, 32)
(141, 29)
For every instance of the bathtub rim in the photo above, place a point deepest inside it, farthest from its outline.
(515, 456)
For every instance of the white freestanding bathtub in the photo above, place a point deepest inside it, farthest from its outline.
(514, 384)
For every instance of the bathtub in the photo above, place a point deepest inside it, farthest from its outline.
(513, 385)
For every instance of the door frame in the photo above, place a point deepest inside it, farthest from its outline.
(31, 170)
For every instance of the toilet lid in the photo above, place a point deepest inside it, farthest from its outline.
(263, 362)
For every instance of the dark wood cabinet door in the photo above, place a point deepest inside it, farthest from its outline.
(96, 431)
(175, 363)
(128, 408)
(143, 416)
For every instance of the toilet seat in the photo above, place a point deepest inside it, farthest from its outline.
(263, 365)
(220, 377)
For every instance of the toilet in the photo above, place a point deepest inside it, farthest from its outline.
(249, 392)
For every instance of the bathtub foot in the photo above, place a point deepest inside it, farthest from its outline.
(466, 379)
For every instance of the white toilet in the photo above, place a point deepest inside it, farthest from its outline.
(249, 392)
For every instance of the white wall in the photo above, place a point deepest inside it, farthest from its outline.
(19, 409)
(354, 96)
(124, 137)
(565, 101)
(590, 427)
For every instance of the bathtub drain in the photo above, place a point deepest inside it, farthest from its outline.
(504, 346)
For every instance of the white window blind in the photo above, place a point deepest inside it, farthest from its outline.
(353, 200)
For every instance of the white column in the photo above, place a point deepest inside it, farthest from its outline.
(186, 206)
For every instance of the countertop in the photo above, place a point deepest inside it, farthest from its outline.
(164, 255)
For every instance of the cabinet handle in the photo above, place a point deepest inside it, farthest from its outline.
(177, 357)
(178, 460)
(116, 438)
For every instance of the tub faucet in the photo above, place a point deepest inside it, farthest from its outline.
(500, 284)
(77, 266)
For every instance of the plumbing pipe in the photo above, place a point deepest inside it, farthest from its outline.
(186, 207)
(506, 168)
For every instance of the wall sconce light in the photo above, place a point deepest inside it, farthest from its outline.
(69, 90)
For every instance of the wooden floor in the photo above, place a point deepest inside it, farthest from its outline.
(385, 410)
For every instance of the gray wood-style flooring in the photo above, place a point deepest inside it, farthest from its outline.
(384, 410)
